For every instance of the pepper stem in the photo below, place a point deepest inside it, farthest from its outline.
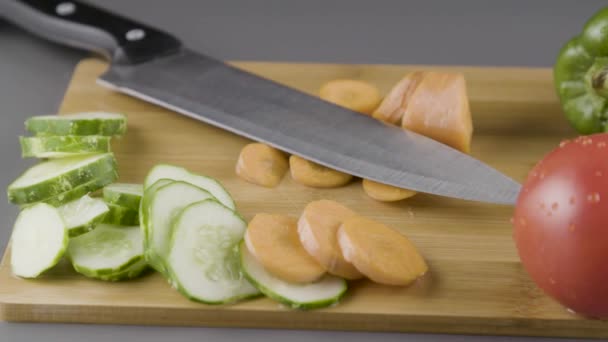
(599, 81)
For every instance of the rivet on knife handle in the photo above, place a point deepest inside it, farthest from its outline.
(84, 26)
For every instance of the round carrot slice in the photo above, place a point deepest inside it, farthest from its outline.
(314, 175)
(274, 242)
(385, 192)
(355, 95)
(262, 165)
(379, 252)
(317, 228)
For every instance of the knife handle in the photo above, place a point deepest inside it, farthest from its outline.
(80, 25)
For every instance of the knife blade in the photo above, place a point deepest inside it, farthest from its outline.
(153, 66)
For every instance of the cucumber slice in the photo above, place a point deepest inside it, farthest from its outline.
(63, 146)
(88, 123)
(39, 240)
(124, 195)
(164, 205)
(121, 216)
(82, 215)
(324, 292)
(181, 174)
(56, 176)
(143, 207)
(106, 250)
(82, 190)
(203, 260)
(130, 272)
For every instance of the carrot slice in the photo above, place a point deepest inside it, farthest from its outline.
(393, 105)
(355, 95)
(439, 109)
(262, 165)
(314, 175)
(274, 241)
(385, 193)
(379, 252)
(317, 229)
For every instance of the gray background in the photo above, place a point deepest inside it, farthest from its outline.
(34, 74)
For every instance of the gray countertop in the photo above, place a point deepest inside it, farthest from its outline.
(34, 75)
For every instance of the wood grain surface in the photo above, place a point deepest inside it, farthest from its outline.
(476, 283)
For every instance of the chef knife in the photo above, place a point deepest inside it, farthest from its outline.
(154, 66)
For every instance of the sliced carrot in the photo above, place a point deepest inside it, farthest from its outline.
(314, 175)
(261, 164)
(439, 109)
(393, 105)
(385, 193)
(317, 229)
(274, 241)
(379, 252)
(355, 95)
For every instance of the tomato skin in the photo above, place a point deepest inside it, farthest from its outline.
(561, 225)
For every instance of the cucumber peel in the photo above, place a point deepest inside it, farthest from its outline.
(82, 215)
(322, 293)
(81, 190)
(124, 195)
(121, 216)
(106, 250)
(63, 146)
(56, 176)
(39, 240)
(181, 174)
(143, 207)
(131, 272)
(203, 259)
(88, 123)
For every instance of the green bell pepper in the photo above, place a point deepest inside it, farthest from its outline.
(581, 76)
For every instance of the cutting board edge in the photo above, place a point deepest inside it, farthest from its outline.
(243, 62)
(107, 315)
(397, 65)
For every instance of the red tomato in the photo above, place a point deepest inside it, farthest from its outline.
(561, 225)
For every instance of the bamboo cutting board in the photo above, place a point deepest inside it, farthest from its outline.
(476, 283)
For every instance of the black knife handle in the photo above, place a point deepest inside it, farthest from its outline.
(81, 25)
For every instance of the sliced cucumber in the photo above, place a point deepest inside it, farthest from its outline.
(63, 146)
(106, 250)
(121, 216)
(81, 190)
(181, 174)
(89, 123)
(56, 176)
(39, 240)
(203, 261)
(82, 215)
(327, 291)
(144, 207)
(164, 204)
(130, 272)
(124, 195)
